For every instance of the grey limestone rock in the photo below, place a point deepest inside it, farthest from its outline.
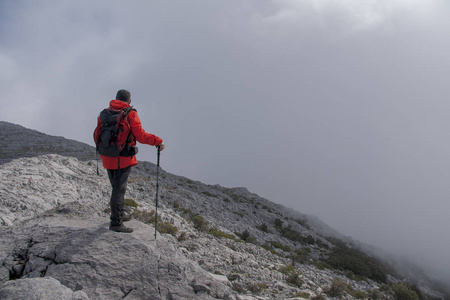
(101, 263)
(37, 289)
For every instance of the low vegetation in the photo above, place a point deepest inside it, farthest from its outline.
(246, 237)
(301, 295)
(257, 287)
(280, 246)
(263, 227)
(294, 279)
(199, 223)
(149, 218)
(402, 291)
(300, 255)
(206, 193)
(340, 288)
(344, 258)
(286, 270)
(293, 235)
(130, 203)
(220, 234)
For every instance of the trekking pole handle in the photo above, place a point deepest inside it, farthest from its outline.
(159, 153)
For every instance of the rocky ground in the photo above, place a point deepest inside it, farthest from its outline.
(54, 219)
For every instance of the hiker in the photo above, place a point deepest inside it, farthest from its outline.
(119, 167)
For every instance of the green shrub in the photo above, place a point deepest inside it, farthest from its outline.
(417, 291)
(291, 234)
(286, 270)
(130, 202)
(199, 223)
(251, 240)
(243, 235)
(267, 208)
(144, 216)
(263, 227)
(238, 213)
(192, 247)
(186, 212)
(278, 223)
(246, 237)
(310, 240)
(301, 295)
(182, 236)
(176, 204)
(239, 288)
(376, 295)
(300, 255)
(280, 246)
(294, 279)
(403, 292)
(359, 295)
(344, 258)
(322, 244)
(219, 233)
(166, 227)
(209, 194)
(321, 265)
(338, 288)
(257, 287)
(233, 277)
(149, 218)
(270, 249)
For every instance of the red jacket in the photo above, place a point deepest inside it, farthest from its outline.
(137, 131)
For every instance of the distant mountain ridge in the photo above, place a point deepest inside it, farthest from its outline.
(212, 243)
(17, 141)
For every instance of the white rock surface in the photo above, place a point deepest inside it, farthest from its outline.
(37, 289)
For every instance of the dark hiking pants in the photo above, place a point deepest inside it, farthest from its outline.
(118, 179)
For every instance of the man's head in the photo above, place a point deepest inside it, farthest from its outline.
(124, 95)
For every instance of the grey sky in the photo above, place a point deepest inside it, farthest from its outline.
(335, 108)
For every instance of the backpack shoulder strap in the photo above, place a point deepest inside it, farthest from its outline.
(127, 110)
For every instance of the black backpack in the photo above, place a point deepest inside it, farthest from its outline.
(112, 135)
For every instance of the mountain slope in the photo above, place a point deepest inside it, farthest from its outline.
(213, 242)
(17, 141)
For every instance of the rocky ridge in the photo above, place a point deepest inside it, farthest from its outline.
(17, 141)
(213, 242)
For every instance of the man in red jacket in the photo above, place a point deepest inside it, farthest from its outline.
(119, 177)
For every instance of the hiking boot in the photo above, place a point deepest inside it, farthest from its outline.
(126, 218)
(120, 228)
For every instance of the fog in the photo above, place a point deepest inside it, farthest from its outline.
(337, 109)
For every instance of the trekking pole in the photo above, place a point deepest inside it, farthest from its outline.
(156, 195)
